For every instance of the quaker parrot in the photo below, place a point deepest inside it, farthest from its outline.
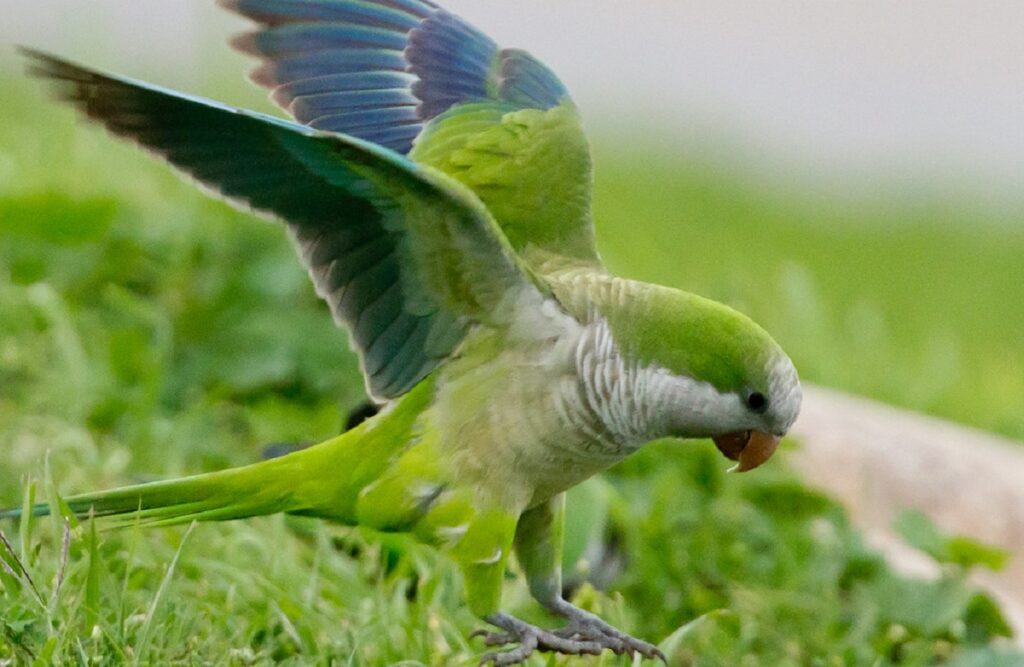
(437, 188)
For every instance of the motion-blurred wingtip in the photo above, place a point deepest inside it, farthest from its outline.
(245, 42)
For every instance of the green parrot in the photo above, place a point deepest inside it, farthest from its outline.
(438, 189)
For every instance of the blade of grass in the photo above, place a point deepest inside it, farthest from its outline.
(45, 657)
(59, 510)
(10, 582)
(14, 566)
(16, 644)
(65, 553)
(161, 592)
(129, 562)
(92, 577)
(27, 522)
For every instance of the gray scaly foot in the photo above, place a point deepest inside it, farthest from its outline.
(586, 627)
(529, 638)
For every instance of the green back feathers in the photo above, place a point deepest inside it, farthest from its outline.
(531, 167)
(419, 80)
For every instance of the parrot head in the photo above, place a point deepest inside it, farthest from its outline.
(753, 432)
(717, 374)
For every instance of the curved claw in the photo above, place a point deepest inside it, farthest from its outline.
(618, 643)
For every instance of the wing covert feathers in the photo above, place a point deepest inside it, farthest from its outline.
(405, 257)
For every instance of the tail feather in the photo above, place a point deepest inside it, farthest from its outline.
(323, 481)
(200, 498)
(267, 487)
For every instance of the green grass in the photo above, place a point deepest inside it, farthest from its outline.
(147, 331)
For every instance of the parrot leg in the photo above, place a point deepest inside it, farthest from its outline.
(538, 543)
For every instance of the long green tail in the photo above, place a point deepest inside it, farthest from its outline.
(287, 484)
(322, 481)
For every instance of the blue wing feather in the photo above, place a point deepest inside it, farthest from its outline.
(305, 37)
(528, 82)
(410, 53)
(351, 100)
(453, 61)
(387, 13)
(341, 83)
(311, 65)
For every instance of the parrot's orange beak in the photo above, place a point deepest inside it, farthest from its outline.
(748, 448)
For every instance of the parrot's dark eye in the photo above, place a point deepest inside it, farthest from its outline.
(757, 402)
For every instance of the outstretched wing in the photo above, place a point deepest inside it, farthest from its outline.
(406, 257)
(412, 77)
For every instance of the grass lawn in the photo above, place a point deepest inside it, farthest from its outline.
(146, 331)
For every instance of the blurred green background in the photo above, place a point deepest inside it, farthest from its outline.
(147, 331)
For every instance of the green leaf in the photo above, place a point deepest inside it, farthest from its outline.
(986, 657)
(788, 500)
(967, 552)
(919, 531)
(927, 608)
(984, 620)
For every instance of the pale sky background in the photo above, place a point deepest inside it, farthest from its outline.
(850, 94)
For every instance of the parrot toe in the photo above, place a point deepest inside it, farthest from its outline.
(493, 638)
(529, 638)
(584, 626)
(585, 634)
